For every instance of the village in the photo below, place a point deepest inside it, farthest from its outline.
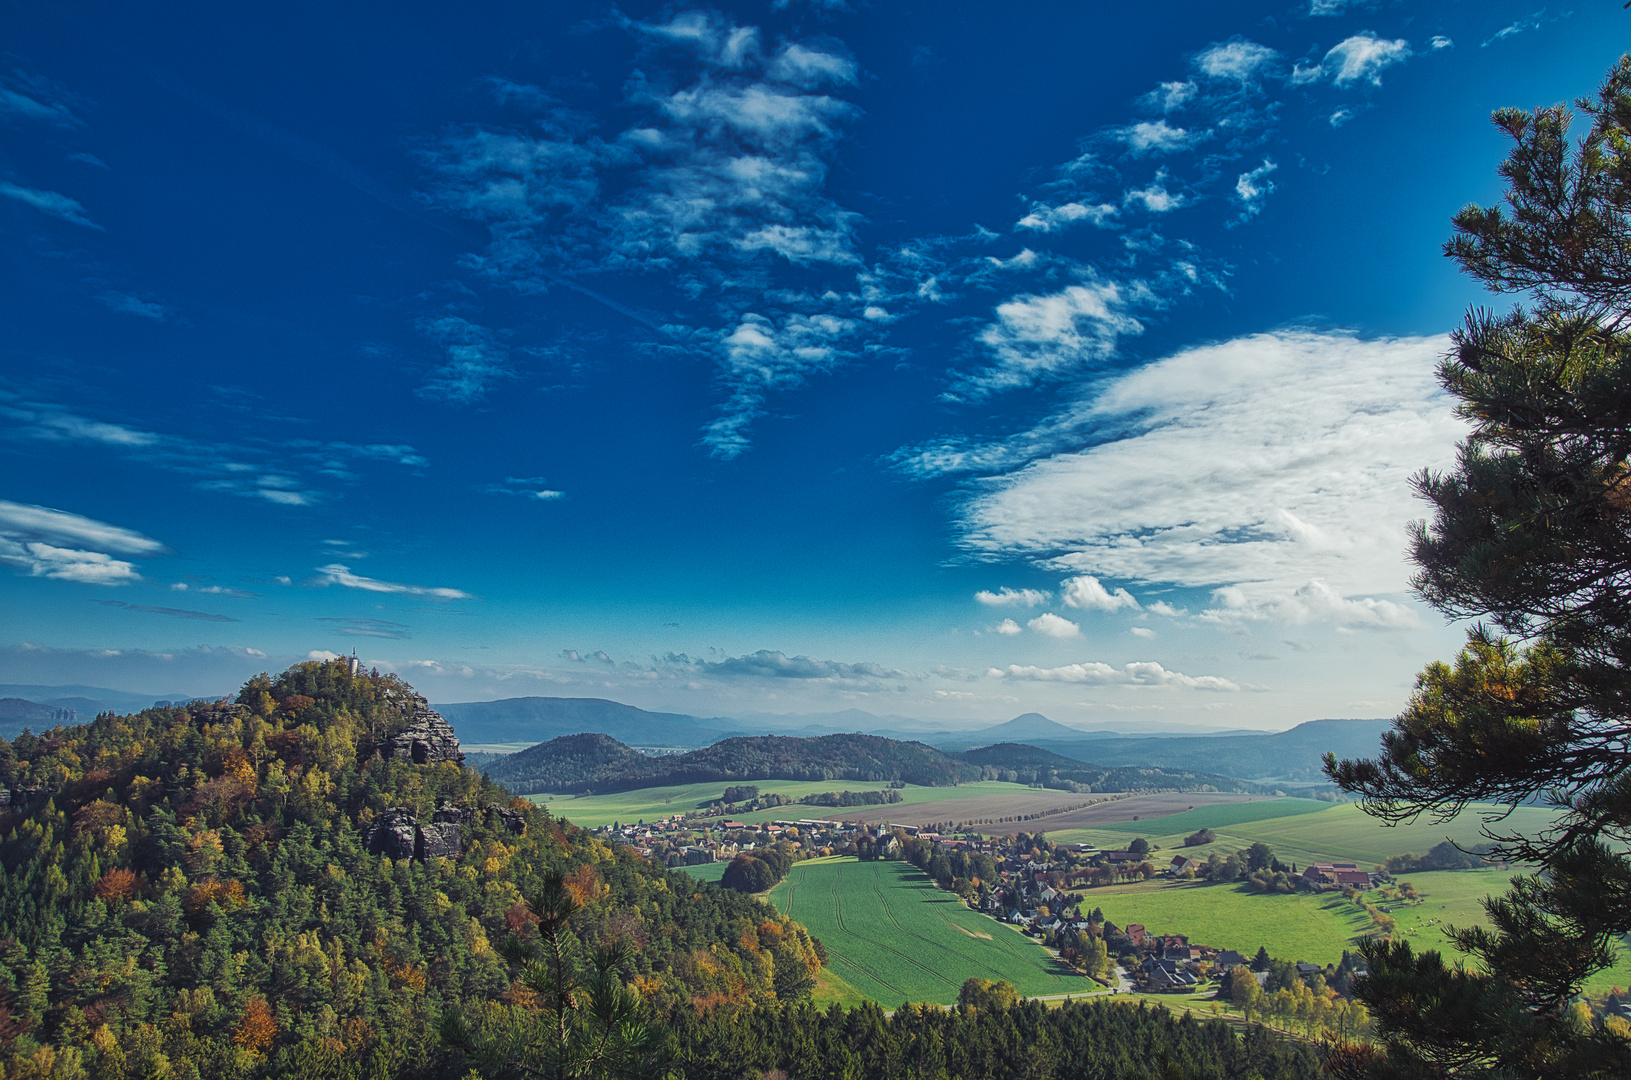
(1035, 886)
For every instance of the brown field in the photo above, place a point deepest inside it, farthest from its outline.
(1053, 809)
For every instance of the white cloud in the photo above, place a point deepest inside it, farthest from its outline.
(1327, 7)
(1161, 607)
(1238, 60)
(322, 655)
(67, 547)
(1157, 137)
(1085, 591)
(335, 574)
(1528, 22)
(1155, 198)
(1341, 116)
(1054, 626)
(50, 202)
(1008, 628)
(1006, 597)
(1439, 41)
(1276, 465)
(773, 664)
(1255, 186)
(1142, 632)
(1040, 337)
(760, 356)
(1171, 95)
(1362, 58)
(1139, 673)
(800, 65)
(1044, 218)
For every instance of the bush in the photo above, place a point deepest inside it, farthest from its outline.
(1196, 839)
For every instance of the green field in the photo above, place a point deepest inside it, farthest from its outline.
(1342, 833)
(1216, 817)
(709, 871)
(1297, 926)
(649, 804)
(894, 937)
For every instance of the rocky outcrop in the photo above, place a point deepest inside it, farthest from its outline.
(23, 798)
(399, 834)
(395, 834)
(427, 738)
(513, 822)
(439, 841)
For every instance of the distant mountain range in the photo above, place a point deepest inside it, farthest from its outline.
(597, 764)
(43, 707)
(539, 719)
(1292, 755)
(1280, 757)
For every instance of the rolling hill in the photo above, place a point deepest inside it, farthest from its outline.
(588, 764)
(539, 719)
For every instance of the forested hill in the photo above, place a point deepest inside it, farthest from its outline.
(1026, 764)
(574, 764)
(300, 882)
(596, 764)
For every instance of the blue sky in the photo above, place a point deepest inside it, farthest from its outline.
(947, 361)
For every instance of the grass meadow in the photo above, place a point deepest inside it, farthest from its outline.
(893, 937)
(648, 804)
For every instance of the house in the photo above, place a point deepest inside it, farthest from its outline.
(1135, 934)
(1336, 874)
(1182, 862)
(1228, 958)
(1305, 969)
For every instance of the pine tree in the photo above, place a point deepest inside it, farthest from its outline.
(1531, 535)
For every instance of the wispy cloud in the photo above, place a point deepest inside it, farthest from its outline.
(170, 612)
(215, 590)
(374, 628)
(718, 183)
(1362, 57)
(1254, 186)
(285, 472)
(1517, 26)
(1273, 469)
(1239, 60)
(336, 574)
(771, 664)
(32, 99)
(54, 203)
(64, 546)
(1139, 673)
(529, 487)
(1006, 597)
(1035, 338)
(130, 304)
(476, 360)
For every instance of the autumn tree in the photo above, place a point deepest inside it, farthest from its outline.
(582, 1020)
(1531, 537)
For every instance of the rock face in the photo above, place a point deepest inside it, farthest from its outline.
(398, 833)
(23, 798)
(394, 833)
(427, 738)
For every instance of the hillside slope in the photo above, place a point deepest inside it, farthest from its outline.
(555, 765)
(596, 764)
(1026, 764)
(299, 882)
